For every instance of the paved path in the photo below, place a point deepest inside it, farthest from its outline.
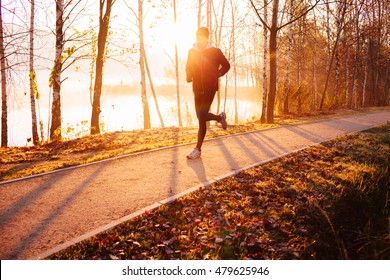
(40, 214)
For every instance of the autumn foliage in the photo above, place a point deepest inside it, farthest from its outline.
(326, 202)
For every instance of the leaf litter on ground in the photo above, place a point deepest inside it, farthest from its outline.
(330, 201)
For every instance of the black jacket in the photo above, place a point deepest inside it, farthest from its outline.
(204, 67)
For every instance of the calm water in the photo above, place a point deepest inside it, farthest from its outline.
(118, 113)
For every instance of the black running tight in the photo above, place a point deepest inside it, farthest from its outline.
(202, 106)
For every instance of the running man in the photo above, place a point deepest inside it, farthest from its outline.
(205, 64)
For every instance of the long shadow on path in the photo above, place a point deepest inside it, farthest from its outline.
(40, 227)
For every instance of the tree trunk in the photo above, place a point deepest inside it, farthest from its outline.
(177, 68)
(289, 51)
(218, 42)
(314, 75)
(272, 63)
(55, 129)
(199, 13)
(153, 90)
(364, 97)
(104, 23)
(209, 18)
(347, 74)
(233, 45)
(378, 98)
(33, 84)
(314, 70)
(265, 66)
(145, 104)
(337, 67)
(356, 56)
(4, 105)
(301, 59)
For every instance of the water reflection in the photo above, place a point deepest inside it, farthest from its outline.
(121, 113)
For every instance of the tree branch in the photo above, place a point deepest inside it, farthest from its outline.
(258, 15)
(302, 15)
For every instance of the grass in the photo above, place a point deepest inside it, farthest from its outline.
(18, 162)
(330, 201)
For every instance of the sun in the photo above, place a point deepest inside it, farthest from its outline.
(182, 33)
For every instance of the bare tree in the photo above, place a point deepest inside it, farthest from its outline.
(144, 65)
(199, 12)
(64, 57)
(153, 90)
(145, 104)
(265, 66)
(105, 8)
(357, 13)
(33, 81)
(234, 59)
(4, 105)
(209, 23)
(340, 28)
(55, 129)
(288, 69)
(274, 28)
(177, 68)
(15, 58)
(218, 39)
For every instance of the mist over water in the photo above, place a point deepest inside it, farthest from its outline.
(122, 111)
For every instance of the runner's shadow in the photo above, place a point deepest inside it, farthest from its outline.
(198, 167)
(39, 228)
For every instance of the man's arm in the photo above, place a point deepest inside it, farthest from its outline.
(189, 75)
(225, 65)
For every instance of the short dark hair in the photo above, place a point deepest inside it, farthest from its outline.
(203, 31)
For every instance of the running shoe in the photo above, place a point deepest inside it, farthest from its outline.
(223, 120)
(194, 154)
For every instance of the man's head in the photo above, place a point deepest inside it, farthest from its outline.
(203, 31)
(202, 37)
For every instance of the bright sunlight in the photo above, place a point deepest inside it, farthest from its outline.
(182, 33)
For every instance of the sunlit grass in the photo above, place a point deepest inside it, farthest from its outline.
(25, 161)
(330, 201)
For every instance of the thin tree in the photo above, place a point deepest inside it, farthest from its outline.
(301, 59)
(177, 67)
(274, 28)
(265, 65)
(4, 105)
(288, 68)
(209, 23)
(153, 90)
(357, 11)
(378, 17)
(55, 79)
(145, 104)
(144, 67)
(199, 13)
(33, 84)
(105, 7)
(218, 38)
(334, 51)
(63, 59)
(314, 66)
(234, 59)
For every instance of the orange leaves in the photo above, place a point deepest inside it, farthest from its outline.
(286, 209)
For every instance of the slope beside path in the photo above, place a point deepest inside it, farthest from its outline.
(41, 214)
